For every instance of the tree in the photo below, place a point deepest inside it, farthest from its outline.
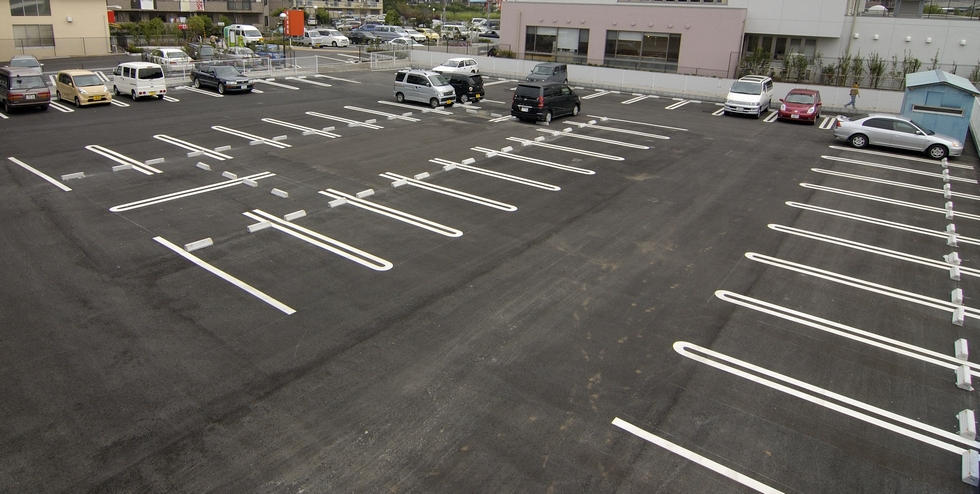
(197, 26)
(392, 18)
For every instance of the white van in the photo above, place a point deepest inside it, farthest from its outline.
(423, 86)
(139, 79)
(751, 95)
(248, 32)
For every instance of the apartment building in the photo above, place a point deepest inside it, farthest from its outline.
(337, 9)
(176, 11)
(712, 37)
(49, 28)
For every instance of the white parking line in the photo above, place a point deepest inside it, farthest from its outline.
(894, 202)
(116, 102)
(458, 194)
(827, 122)
(895, 184)
(501, 81)
(558, 133)
(304, 129)
(898, 156)
(60, 107)
(827, 399)
(501, 119)
(696, 458)
(639, 97)
(3, 116)
(123, 159)
(679, 104)
(898, 168)
(349, 122)
(337, 78)
(771, 117)
(101, 76)
(258, 91)
(40, 174)
(199, 91)
(303, 78)
(322, 241)
(389, 116)
(851, 333)
(193, 147)
(142, 203)
(529, 142)
(170, 99)
(550, 164)
(225, 276)
(252, 137)
(719, 112)
(889, 224)
(277, 84)
(634, 122)
(495, 174)
(599, 92)
(425, 109)
(402, 216)
(614, 129)
(935, 303)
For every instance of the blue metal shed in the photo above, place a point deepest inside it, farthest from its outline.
(940, 101)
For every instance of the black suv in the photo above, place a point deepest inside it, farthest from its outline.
(544, 100)
(467, 86)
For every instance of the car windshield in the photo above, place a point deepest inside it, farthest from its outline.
(175, 54)
(438, 80)
(23, 62)
(314, 34)
(252, 32)
(150, 73)
(87, 80)
(803, 99)
(476, 80)
(923, 127)
(527, 91)
(545, 70)
(27, 82)
(743, 87)
(226, 71)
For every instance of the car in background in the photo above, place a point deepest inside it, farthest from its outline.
(201, 51)
(334, 38)
(25, 61)
(404, 43)
(240, 56)
(172, 60)
(749, 95)
(494, 34)
(549, 72)
(361, 37)
(222, 77)
(468, 86)
(543, 101)
(271, 54)
(311, 38)
(388, 33)
(430, 35)
(453, 31)
(880, 129)
(459, 65)
(801, 104)
(23, 87)
(81, 87)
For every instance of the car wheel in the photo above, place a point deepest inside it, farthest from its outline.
(6, 106)
(434, 103)
(133, 95)
(197, 83)
(547, 116)
(78, 103)
(463, 98)
(858, 140)
(115, 90)
(334, 44)
(937, 151)
(221, 88)
(575, 110)
(399, 97)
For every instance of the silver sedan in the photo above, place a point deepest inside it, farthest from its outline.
(897, 132)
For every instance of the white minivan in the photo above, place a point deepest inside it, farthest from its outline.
(751, 95)
(139, 79)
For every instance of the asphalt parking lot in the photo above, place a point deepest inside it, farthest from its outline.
(337, 293)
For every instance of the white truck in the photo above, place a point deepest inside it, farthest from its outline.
(311, 38)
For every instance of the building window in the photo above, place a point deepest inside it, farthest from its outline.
(780, 46)
(33, 36)
(643, 51)
(30, 7)
(555, 44)
(143, 4)
(239, 4)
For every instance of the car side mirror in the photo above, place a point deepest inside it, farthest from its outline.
(781, 100)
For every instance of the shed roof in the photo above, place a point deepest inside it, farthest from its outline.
(940, 77)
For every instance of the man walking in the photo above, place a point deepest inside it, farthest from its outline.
(854, 94)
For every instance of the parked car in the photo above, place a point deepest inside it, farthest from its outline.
(749, 95)
(549, 72)
(453, 31)
(423, 86)
(271, 54)
(879, 129)
(404, 43)
(201, 51)
(543, 101)
(458, 66)
(139, 79)
(27, 61)
(311, 38)
(172, 60)
(81, 87)
(222, 77)
(334, 38)
(430, 35)
(23, 87)
(468, 86)
(388, 33)
(801, 104)
(240, 56)
(360, 37)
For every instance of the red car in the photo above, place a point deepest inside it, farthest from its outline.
(801, 104)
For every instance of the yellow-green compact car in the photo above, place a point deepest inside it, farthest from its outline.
(82, 87)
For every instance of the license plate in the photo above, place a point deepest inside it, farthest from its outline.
(153, 93)
(478, 96)
(449, 102)
(794, 116)
(29, 96)
(96, 98)
(525, 108)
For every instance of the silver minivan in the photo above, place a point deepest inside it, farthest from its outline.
(423, 86)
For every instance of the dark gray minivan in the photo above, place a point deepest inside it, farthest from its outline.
(543, 101)
(549, 72)
(23, 87)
